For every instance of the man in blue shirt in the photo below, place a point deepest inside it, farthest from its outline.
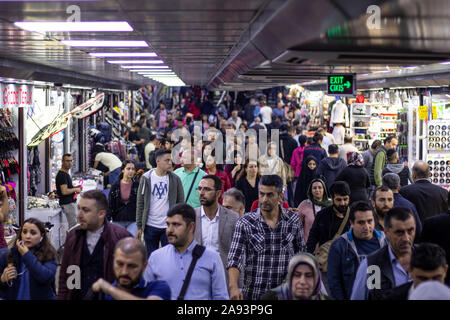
(171, 263)
(387, 267)
(130, 261)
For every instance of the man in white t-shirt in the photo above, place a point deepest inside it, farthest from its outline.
(149, 147)
(159, 190)
(112, 162)
(266, 114)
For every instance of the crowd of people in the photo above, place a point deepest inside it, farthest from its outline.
(207, 210)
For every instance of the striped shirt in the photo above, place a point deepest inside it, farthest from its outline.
(263, 253)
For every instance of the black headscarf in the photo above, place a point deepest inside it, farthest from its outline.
(304, 180)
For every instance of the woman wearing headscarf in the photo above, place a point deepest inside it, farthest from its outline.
(308, 173)
(356, 176)
(303, 281)
(317, 200)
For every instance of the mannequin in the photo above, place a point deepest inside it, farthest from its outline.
(339, 118)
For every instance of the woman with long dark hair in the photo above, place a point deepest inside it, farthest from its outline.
(123, 197)
(211, 167)
(234, 169)
(28, 272)
(248, 183)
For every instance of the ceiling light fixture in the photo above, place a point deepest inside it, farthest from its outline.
(136, 61)
(123, 54)
(105, 43)
(84, 26)
(144, 67)
(148, 70)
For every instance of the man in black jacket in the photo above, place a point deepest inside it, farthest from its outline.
(327, 222)
(331, 166)
(288, 144)
(428, 263)
(436, 230)
(429, 199)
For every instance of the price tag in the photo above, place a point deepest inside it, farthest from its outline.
(434, 115)
(423, 113)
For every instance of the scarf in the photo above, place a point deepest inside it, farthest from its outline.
(284, 291)
(304, 179)
(355, 159)
(325, 202)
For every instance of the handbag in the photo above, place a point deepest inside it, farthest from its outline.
(322, 251)
(290, 173)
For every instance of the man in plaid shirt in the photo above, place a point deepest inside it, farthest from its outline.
(263, 243)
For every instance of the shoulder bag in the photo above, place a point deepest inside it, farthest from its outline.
(322, 251)
(196, 254)
(290, 173)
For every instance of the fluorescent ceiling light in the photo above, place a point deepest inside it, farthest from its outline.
(156, 72)
(136, 61)
(445, 62)
(144, 67)
(105, 43)
(148, 70)
(123, 54)
(410, 67)
(85, 26)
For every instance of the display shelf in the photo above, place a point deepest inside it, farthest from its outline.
(377, 121)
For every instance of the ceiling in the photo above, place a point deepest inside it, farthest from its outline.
(232, 44)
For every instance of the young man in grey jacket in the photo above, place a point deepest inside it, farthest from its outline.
(159, 190)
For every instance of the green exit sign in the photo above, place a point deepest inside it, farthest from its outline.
(341, 85)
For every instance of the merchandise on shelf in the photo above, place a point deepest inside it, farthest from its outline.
(371, 122)
(42, 202)
(438, 135)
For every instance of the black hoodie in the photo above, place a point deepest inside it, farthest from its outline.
(329, 169)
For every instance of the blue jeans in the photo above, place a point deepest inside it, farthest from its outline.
(129, 225)
(152, 237)
(114, 176)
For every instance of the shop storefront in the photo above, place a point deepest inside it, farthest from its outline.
(39, 123)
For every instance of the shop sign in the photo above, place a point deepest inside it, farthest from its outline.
(423, 113)
(341, 85)
(15, 95)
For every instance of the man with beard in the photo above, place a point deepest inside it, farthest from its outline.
(214, 223)
(387, 267)
(130, 261)
(327, 221)
(90, 247)
(172, 262)
(382, 202)
(263, 243)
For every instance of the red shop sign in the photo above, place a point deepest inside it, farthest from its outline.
(16, 95)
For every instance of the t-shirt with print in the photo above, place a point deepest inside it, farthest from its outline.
(159, 203)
